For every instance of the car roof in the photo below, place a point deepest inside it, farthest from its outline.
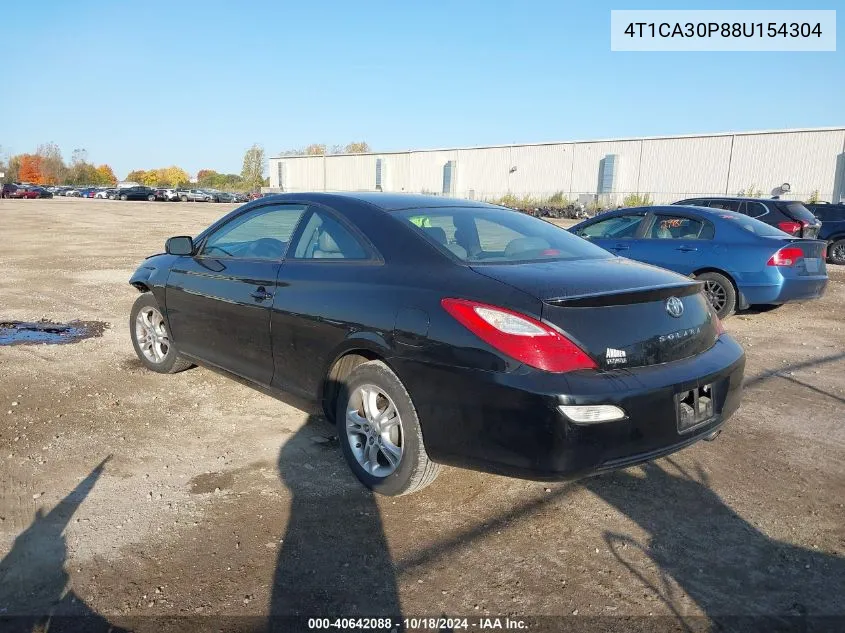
(739, 198)
(704, 211)
(385, 201)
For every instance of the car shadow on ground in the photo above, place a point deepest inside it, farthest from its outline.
(704, 549)
(35, 592)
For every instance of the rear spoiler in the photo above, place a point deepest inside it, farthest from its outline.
(625, 297)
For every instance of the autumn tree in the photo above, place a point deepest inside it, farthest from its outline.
(105, 175)
(30, 169)
(212, 180)
(253, 168)
(53, 169)
(315, 149)
(357, 148)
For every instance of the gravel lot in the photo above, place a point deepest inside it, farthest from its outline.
(215, 499)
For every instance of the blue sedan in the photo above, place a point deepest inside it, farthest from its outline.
(741, 261)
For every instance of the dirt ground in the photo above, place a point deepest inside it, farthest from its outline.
(127, 493)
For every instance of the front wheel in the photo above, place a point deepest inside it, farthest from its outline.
(124, 197)
(184, 198)
(720, 292)
(151, 339)
(836, 252)
(380, 433)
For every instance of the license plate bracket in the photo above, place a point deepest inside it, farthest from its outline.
(694, 407)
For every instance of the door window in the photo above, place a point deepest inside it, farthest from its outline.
(262, 233)
(324, 237)
(673, 227)
(616, 228)
(755, 209)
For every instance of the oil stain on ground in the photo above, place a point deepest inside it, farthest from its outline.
(48, 332)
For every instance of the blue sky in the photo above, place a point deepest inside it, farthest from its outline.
(149, 84)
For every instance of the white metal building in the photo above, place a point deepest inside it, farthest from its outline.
(667, 168)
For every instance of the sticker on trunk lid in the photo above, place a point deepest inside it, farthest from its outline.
(615, 356)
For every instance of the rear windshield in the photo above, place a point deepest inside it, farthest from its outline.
(753, 226)
(492, 235)
(797, 211)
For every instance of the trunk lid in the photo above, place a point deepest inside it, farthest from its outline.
(811, 264)
(621, 312)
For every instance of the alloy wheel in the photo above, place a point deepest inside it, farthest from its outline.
(151, 335)
(374, 430)
(837, 251)
(716, 294)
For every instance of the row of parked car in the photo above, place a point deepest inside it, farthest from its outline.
(22, 190)
(747, 251)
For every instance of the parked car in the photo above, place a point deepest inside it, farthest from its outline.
(436, 330)
(741, 260)
(42, 192)
(240, 197)
(25, 192)
(105, 194)
(788, 215)
(218, 196)
(136, 193)
(832, 217)
(8, 189)
(166, 195)
(88, 192)
(73, 193)
(193, 195)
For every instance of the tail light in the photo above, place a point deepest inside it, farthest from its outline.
(717, 323)
(787, 256)
(793, 228)
(519, 336)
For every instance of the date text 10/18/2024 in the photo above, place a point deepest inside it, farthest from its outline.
(419, 623)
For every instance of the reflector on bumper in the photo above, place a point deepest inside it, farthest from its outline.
(591, 414)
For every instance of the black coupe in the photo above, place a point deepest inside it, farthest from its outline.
(443, 331)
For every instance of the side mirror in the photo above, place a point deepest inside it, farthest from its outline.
(180, 245)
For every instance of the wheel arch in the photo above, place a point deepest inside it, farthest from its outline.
(741, 301)
(352, 353)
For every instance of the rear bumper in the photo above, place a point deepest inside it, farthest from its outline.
(509, 423)
(797, 289)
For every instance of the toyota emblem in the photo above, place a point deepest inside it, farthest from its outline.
(674, 307)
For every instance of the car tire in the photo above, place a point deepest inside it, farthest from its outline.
(721, 293)
(836, 252)
(161, 356)
(151, 198)
(184, 198)
(365, 440)
(124, 197)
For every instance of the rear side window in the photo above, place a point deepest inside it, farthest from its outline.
(753, 226)
(619, 227)
(494, 235)
(324, 237)
(755, 209)
(797, 211)
(669, 227)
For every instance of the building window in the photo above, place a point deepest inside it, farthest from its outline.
(281, 171)
(449, 178)
(608, 166)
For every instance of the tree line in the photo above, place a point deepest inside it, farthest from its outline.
(47, 167)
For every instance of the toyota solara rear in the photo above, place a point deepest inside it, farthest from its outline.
(437, 331)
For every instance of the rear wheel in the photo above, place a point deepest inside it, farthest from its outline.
(836, 252)
(184, 198)
(124, 197)
(151, 339)
(380, 433)
(151, 198)
(720, 292)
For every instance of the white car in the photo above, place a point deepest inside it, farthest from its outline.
(104, 194)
